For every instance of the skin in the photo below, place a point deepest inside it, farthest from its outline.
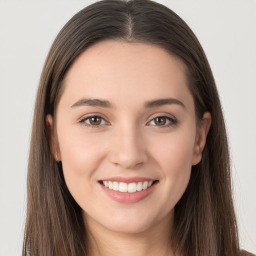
(129, 142)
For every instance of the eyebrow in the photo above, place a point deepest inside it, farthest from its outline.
(161, 102)
(92, 102)
(107, 104)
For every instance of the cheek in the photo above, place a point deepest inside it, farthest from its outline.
(174, 151)
(174, 154)
(80, 156)
(79, 151)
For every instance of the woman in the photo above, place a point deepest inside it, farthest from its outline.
(129, 153)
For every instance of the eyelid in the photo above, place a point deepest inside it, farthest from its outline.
(84, 118)
(173, 121)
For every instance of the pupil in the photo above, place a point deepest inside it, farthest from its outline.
(95, 120)
(160, 120)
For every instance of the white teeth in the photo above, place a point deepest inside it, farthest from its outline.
(123, 187)
(105, 183)
(145, 185)
(132, 187)
(127, 187)
(139, 186)
(115, 186)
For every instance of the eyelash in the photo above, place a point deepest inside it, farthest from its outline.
(172, 121)
(83, 121)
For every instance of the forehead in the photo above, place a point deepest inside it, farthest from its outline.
(126, 72)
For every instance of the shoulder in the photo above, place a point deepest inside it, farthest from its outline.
(245, 253)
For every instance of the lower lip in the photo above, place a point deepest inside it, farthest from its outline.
(122, 197)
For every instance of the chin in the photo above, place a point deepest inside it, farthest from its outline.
(131, 224)
(129, 228)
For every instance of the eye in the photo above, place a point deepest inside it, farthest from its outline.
(93, 121)
(163, 121)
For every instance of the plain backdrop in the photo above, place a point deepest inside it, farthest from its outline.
(225, 28)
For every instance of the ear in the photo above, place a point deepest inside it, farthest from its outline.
(52, 138)
(201, 136)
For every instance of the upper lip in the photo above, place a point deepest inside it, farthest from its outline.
(128, 179)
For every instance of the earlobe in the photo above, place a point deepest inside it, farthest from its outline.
(53, 142)
(201, 137)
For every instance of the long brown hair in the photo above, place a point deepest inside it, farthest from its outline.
(204, 218)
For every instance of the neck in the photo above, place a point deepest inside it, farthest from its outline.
(151, 242)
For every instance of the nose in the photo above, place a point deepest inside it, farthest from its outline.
(128, 148)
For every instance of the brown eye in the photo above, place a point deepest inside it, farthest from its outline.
(160, 120)
(94, 121)
(163, 121)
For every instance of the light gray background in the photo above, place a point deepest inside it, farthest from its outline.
(227, 31)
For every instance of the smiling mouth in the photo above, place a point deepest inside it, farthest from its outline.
(124, 187)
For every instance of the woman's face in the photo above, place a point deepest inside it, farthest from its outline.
(126, 134)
